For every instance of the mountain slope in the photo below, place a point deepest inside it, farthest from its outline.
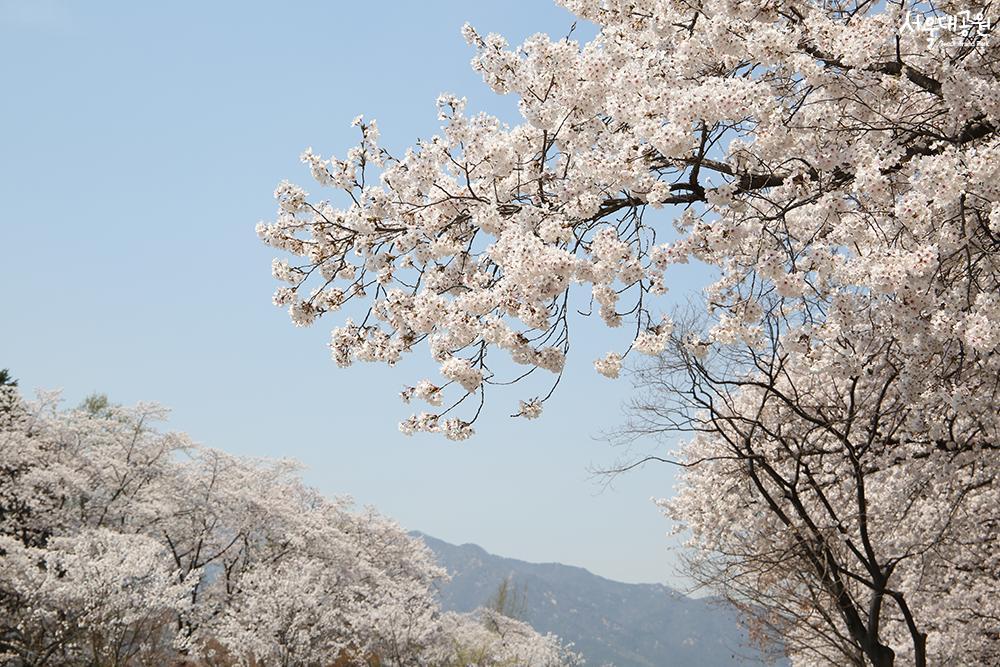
(609, 622)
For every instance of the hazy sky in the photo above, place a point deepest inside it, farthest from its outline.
(140, 142)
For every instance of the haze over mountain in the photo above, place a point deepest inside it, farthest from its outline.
(609, 622)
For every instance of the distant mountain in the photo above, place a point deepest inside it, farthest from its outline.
(609, 622)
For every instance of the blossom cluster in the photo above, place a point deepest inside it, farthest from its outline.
(120, 544)
(473, 240)
(839, 175)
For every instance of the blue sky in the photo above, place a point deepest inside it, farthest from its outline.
(139, 145)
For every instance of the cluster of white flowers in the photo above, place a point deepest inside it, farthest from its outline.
(425, 390)
(456, 429)
(494, 639)
(531, 409)
(610, 365)
(477, 235)
(463, 372)
(654, 341)
(839, 175)
(122, 545)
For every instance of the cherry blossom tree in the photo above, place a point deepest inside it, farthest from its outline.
(837, 165)
(815, 508)
(122, 545)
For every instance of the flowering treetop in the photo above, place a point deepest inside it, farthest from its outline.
(838, 165)
(123, 545)
(828, 162)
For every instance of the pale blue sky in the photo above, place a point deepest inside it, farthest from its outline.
(140, 143)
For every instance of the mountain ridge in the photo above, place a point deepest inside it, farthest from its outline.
(609, 622)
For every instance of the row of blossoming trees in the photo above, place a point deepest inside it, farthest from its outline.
(123, 545)
(837, 165)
